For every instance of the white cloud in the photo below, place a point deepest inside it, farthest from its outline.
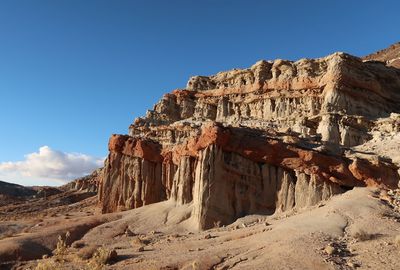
(49, 164)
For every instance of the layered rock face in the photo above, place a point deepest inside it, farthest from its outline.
(273, 137)
(89, 183)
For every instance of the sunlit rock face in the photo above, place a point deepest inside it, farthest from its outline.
(276, 136)
(89, 183)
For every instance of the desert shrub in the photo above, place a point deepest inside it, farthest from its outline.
(217, 224)
(47, 265)
(136, 241)
(62, 247)
(195, 265)
(101, 257)
(139, 241)
(87, 252)
(362, 235)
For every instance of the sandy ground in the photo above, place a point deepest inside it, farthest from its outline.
(357, 229)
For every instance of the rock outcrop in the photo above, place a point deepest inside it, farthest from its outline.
(390, 56)
(89, 183)
(269, 138)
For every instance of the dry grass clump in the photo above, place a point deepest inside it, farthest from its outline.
(136, 241)
(59, 255)
(139, 241)
(361, 235)
(87, 252)
(397, 241)
(217, 224)
(195, 265)
(101, 257)
(62, 248)
(47, 265)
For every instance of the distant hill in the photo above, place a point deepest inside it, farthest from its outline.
(15, 190)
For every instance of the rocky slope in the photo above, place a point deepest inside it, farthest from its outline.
(15, 190)
(390, 56)
(88, 183)
(276, 136)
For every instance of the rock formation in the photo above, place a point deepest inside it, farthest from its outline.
(276, 136)
(390, 56)
(89, 183)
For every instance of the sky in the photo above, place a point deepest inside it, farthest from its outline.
(74, 72)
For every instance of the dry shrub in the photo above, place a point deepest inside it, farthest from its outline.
(137, 241)
(62, 247)
(217, 224)
(87, 252)
(47, 265)
(101, 257)
(195, 265)
(362, 235)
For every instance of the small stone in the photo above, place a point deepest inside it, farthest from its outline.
(140, 249)
(330, 250)
(208, 236)
(353, 265)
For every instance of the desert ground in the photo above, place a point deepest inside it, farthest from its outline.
(358, 229)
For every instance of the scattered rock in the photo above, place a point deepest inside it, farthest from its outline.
(330, 250)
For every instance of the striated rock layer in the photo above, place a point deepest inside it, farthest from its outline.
(89, 183)
(273, 137)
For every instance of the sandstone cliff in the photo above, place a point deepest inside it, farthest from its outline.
(276, 136)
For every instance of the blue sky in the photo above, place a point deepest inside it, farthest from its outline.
(73, 72)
